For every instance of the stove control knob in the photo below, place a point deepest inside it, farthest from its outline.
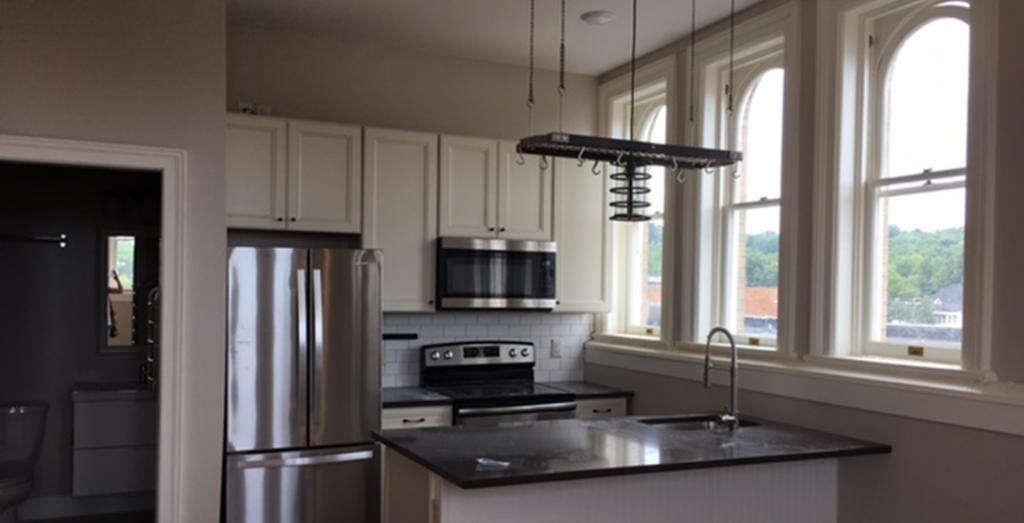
(435, 355)
(511, 353)
(448, 354)
(524, 353)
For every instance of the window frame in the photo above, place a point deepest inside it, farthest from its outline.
(767, 42)
(843, 110)
(877, 75)
(655, 88)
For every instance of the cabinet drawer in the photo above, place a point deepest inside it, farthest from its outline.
(601, 408)
(417, 417)
(115, 423)
(114, 470)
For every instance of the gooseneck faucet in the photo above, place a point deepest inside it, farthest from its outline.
(732, 413)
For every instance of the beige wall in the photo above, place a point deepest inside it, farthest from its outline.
(936, 473)
(143, 72)
(325, 78)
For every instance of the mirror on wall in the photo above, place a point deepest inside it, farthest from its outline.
(131, 272)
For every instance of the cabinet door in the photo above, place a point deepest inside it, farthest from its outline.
(324, 179)
(469, 187)
(256, 172)
(583, 237)
(524, 195)
(400, 214)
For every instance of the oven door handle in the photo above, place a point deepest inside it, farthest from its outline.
(517, 409)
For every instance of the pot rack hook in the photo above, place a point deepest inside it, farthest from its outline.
(596, 169)
(618, 161)
(580, 157)
(521, 160)
(736, 171)
(708, 169)
(543, 163)
(681, 176)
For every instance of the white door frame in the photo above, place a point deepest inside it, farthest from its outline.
(170, 163)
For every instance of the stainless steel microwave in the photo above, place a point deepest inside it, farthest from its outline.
(488, 273)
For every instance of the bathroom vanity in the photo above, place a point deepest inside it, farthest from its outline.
(115, 437)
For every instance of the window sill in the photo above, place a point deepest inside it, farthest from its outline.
(928, 392)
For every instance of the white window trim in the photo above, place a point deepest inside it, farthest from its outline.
(777, 31)
(838, 151)
(662, 71)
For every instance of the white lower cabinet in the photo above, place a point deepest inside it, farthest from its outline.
(400, 214)
(600, 408)
(417, 417)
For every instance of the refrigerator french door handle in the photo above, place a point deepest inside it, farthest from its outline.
(318, 344)
(302, 354)
(362, 455)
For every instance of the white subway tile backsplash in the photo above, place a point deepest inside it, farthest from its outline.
(401, 358)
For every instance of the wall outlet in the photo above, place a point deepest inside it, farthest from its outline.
(556, 348)
(246, 107)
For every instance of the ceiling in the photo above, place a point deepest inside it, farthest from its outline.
(490, 30)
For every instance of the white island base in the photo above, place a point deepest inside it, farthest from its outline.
(786, 492)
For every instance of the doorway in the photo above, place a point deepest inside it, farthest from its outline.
(169, 166)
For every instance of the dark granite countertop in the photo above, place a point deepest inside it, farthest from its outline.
(584, 390)
(395, 397)
(477, 457)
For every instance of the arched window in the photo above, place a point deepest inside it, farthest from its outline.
(751, 211)
(914, 190)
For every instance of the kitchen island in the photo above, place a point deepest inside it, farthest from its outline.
(611, 470)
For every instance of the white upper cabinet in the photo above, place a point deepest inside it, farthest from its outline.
(468, 195)
(256, 172)
(292, 174)
(582, 233)
(524, 195)
(324, 179)
(400, 214)
(484, 192)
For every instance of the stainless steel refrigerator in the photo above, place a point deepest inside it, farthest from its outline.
(303, 385)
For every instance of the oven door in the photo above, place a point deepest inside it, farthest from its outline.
(477, 273)
(514, 414)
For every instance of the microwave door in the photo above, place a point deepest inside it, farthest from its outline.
(267, 349)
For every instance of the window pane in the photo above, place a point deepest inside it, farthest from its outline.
(760, 140)
(645, 274)
(919, 272)
(122, 261)
(753, 300)
(926, 101)
(656, 134)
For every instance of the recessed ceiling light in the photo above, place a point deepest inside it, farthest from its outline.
(599, 17)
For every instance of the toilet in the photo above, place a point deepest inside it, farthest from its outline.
(21, 435)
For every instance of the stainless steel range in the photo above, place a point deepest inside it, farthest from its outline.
(491, 383)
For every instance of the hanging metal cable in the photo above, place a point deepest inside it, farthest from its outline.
(561, 76)
(693, 60)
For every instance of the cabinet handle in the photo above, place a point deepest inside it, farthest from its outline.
(430, 302)
(502, 229)
(293, 219)
(418, 420)
(491, 229)
(602, 411)
(280, 219)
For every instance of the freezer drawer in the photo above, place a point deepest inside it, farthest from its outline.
(321, 486)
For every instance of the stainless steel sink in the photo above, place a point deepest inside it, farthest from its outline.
(693, 422)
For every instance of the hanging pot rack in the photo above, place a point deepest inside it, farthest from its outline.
(632, 156)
